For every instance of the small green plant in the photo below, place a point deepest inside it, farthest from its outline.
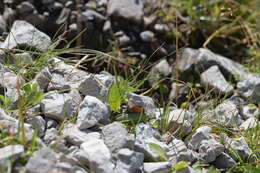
(158, 150)
(180, 166)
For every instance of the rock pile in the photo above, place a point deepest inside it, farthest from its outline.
(76, 132)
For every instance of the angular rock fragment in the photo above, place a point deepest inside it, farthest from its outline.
(249, 111)
(144, 102)
(224, 161)
(250, 88)
(202, 133)
(116, 137)
(42, 161)
(210, 149)
(213, 78)
(91, 112)
(74, 136)
(227, 114)
(25, 35)
(58, 106)
(187, 60)
(128, 161)
(145, 136)
(205, 59)
(97, 155)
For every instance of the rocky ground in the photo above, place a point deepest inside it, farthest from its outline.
(57, 118)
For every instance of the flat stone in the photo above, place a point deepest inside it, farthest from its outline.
(74, 136)
(25, 35)
(157, 167)
(10, 152)
(91, 112)
(249, 123)
(213, 78)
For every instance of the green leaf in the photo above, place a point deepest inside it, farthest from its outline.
(158, 150)
(180, 166)
(114, 98)
(251, 169)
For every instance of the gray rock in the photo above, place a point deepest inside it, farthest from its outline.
(145, 135)
(202, 133)
(179, 152)
(74, 136)
(93, 86)
(11, 126)
(180, 122)
(249, 111)
(2, 25)
(116, 137)
(128, 161)
(43, 78)
(91, 112)
(157, 167)
(97, 155)
(23, 34)
(42, 161)
(143, 101)
(213, 78)
(210, 149)
(8, 81)
(147, 36)
(51, 123)
(224, 161)
(250, 88)
(57, 106)
(205, 59)
(10, 152)
(50, 135)
(178, 90)
(249, 123)
(227, 114)
(238, 147)
(187, 60)
(65, 76)
(163, 68)
(123, 10)
(37, 122)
